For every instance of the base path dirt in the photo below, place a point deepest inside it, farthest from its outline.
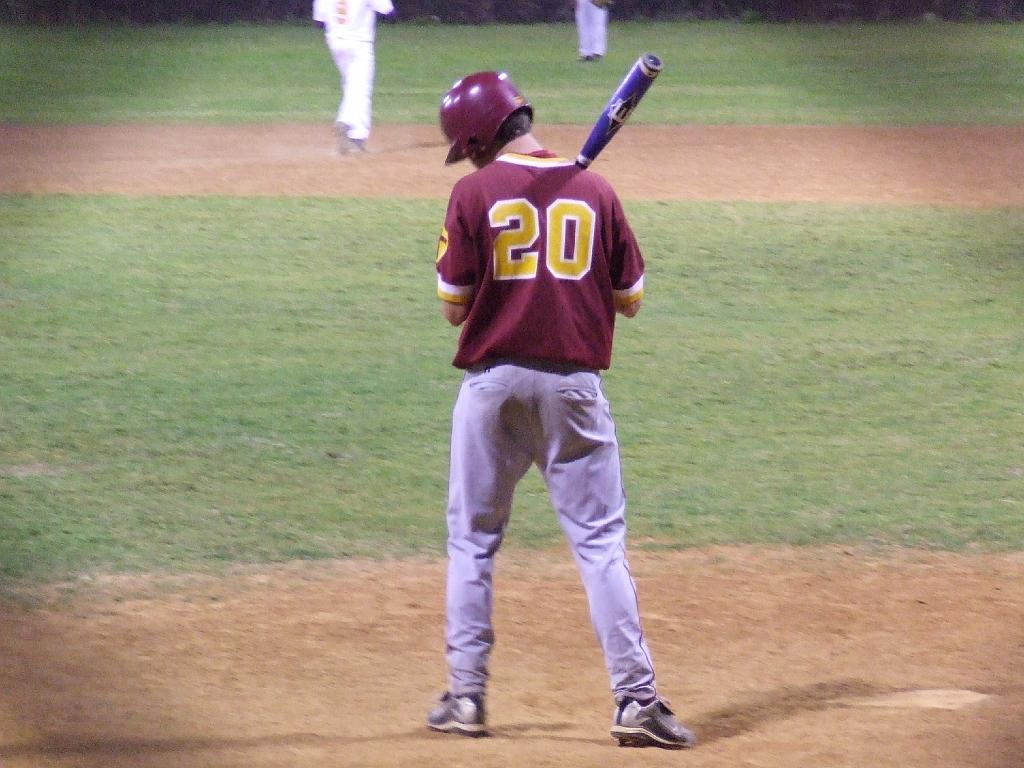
(778, 658)
(941, 165)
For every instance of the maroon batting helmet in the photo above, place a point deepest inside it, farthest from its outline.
(473, 111)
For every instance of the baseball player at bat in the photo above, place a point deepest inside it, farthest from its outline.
(619, 107)
(534, 260)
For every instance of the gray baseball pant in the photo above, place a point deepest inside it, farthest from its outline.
(508, 416)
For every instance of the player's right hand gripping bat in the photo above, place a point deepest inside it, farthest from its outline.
(619, 107)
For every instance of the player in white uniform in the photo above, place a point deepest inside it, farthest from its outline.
(349, 29)
(592, 28)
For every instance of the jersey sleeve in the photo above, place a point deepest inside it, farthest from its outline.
(321, 10)
(627, 262)
(456, 257)
(382, 6)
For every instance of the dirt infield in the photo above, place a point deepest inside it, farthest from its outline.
(765, 652)
(965, 166)
(779, 658)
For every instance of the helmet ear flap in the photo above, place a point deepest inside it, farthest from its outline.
(476, 149)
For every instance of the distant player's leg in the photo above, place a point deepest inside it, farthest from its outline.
(583, 476)
(581, 27)
(600, 43)
(588, 20)
(487, 461)
(356, 105)
(342, 56)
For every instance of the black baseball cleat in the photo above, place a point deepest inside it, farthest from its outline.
(651, 725)
(462, 715)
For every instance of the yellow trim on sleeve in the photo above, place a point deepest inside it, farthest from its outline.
(453, 298)
(624, 301)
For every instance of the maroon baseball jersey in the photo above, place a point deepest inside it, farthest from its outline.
(541, 251)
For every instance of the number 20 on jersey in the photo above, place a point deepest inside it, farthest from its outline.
(569, 244)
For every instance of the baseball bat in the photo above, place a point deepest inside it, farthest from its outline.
(619, 107)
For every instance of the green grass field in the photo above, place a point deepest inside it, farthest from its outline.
(714, 72)
(194, 382)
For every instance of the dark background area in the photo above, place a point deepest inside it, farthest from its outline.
(522, 11)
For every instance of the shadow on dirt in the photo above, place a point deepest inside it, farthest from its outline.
(776, 705)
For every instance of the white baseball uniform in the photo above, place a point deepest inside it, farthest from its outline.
(349, 29)
(592, 29)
